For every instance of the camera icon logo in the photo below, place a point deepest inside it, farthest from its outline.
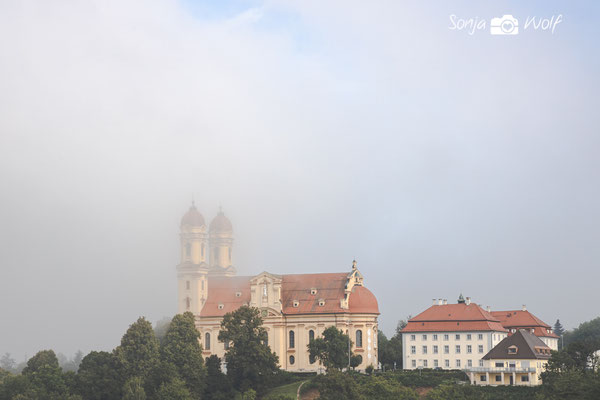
(505, 25)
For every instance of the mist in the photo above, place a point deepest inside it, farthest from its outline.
(443, 163)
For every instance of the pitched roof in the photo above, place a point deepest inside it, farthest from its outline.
(453, 318)
(515, 319)
(528, 347)
(330, 288)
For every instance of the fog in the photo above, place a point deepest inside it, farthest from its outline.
(444, 162)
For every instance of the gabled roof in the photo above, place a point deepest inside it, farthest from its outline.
(453, 318)
(330, 290)
(515, 319)
(527, 347)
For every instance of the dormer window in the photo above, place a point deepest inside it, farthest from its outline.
(512, 350)
(313, 291)
(221, 306)
(321, 302)
(238, 294)
(296, 303)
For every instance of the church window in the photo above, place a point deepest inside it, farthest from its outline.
(188, 250)
(202, 284)
(292, 360)
(187, 303)
(202, 250)
(311, 335)
(187, 285)
(230, 254)
(292, 340)
(207, 341)
(226, 345)
(359, 342)
(216, 254)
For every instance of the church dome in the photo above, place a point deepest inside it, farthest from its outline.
(363, 301)
(192, 217)
(221, 224)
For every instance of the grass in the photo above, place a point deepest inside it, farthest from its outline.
(290, 390)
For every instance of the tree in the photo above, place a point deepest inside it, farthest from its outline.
(134, 389)
(99, 376)
(250, 361)
(45, 377)
(161, 327)
(7, 362)
(559, 331)
(384, 389)
(218, 386)
(139, 350)
(176, 389)
(331, 349)
(182, 349)
(390, 351)
(336, 385)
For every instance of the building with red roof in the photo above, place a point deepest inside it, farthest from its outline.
(296, 308)
(458, 336)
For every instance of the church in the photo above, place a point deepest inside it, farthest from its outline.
(296, 308)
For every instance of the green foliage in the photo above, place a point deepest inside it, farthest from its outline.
(385, 389)
(218, 386)
(99, 376)
(587, 334)
(336, 385)
(176, 389)
(139, 350)
(279, 397)
(390, 351)
(134, 389)
(44, 358)
(162, 372)
(454, 392)
(182, 349)
(250, 362)
(331, 349)
(249, 394)
(568, 374)
(426, 377)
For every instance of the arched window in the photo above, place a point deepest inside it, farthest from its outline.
(187, 303)
(292, 360)
(311, 337)
(359, 338)
(188, 250)
(292, 340)
(202, 249)
(207, 341)
(216, 254)
(226, 345)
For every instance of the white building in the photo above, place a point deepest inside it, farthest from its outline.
(450, 336)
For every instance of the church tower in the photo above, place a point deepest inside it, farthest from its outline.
(221, 243)
(192, 284)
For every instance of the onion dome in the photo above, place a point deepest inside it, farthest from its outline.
(192, 218)
(221, 224)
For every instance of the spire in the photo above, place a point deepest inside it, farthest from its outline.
(353, 265)
(461, 299)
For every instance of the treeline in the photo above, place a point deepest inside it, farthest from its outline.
(147, 366)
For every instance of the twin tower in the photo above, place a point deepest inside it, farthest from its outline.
(204, 252)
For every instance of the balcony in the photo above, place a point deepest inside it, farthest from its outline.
(497, 370)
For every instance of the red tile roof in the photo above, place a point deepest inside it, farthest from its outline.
(452, 318)
(330, 288)
(516, 319)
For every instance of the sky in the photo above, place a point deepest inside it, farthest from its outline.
(445, 161)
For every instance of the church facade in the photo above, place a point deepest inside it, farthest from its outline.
(296, 308)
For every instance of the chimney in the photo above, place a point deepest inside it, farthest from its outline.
(468, 301)
(524, 308)
(440, 302)
(434, 301)
(445, 301)
(488, 308)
